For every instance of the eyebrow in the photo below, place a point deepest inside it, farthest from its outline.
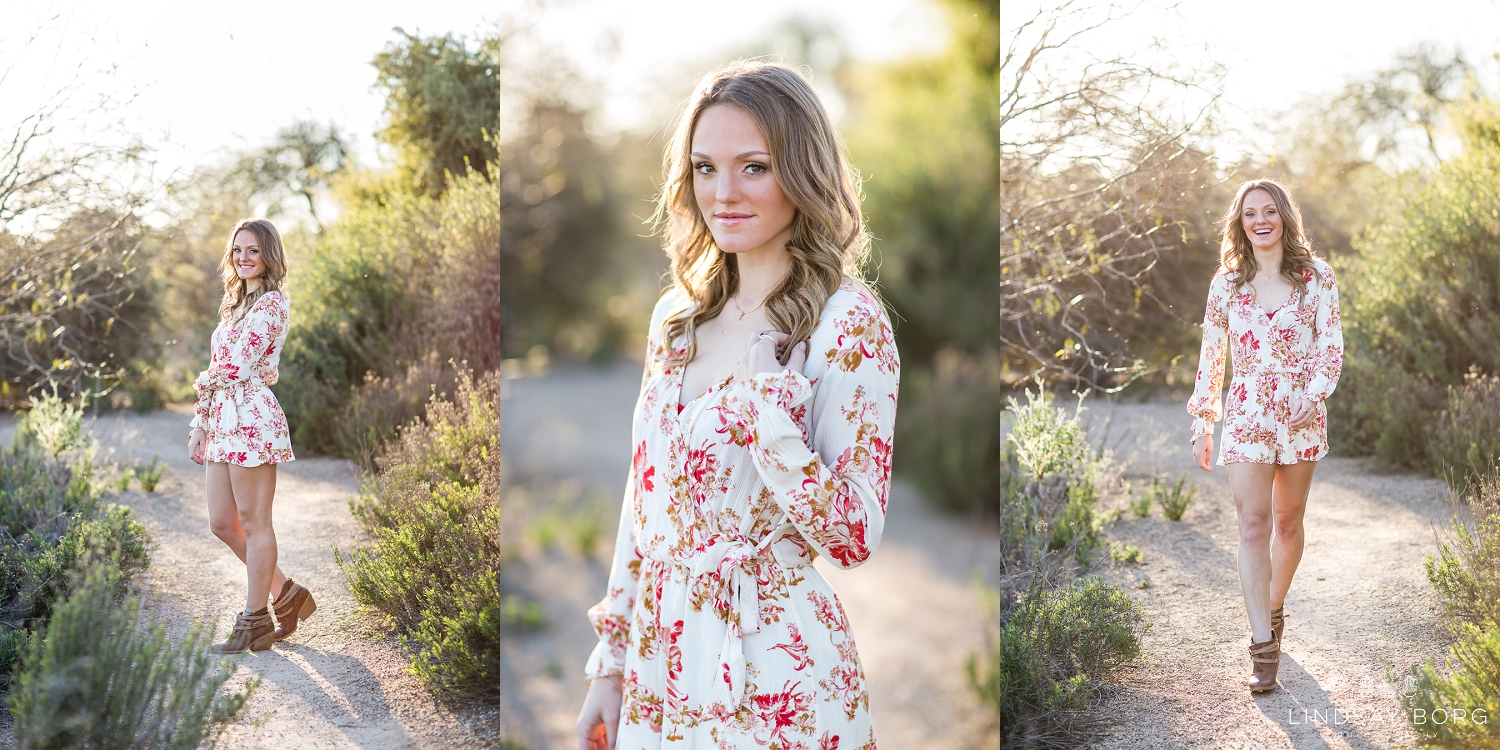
(701, 155)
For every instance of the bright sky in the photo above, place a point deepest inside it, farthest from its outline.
(636, 50)
(210, 77)
(1277, 51)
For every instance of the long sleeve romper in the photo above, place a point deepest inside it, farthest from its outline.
(243, 421)
(1296, 350)
(723, 634)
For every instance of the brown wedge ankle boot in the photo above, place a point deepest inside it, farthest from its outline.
(253, 632)
(1264, 657)
(294, 603)
(1278, 622)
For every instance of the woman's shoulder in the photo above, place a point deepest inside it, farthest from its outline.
(854, 321)
(854, 299)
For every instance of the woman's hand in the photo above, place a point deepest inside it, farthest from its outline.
(1303, 413)
(195, 446)
(599, 721)
(1203, 451)
(760, 355)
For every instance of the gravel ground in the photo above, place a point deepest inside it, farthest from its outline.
(338, 682)
(1359, 599)
(569, 434)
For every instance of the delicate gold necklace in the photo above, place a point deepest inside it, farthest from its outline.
(751, 310)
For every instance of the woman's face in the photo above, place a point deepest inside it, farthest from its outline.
(1261, 220)
(740, 199)
(246, 255)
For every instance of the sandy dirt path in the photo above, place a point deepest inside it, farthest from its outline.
(913, 607)
(338, 682)
(1360, 598)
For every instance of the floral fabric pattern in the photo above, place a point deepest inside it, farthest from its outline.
(722, 633)
(1297, 350)
(243, 420)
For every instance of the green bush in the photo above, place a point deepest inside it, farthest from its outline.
(374, 297)
(104, 676)
(150, 474)
(1053, 652)
(1174, 500)
(434, 514)
(1466, 570)
(1419, 309)
(947, 440)
(1466, 575)
(1457, 709)
(1141, 506)
(1127, 553)
(1464, 442)
(53, 523)
(1047, 440)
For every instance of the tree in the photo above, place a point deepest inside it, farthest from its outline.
(298, 162)
(1100, 182)
(442, 99)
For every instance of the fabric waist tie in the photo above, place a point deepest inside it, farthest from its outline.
(731, 558)
(223, 406)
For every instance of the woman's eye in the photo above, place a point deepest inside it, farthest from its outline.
(703, 168)
(756, 168)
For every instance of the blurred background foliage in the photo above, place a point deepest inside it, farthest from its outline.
(581, 272)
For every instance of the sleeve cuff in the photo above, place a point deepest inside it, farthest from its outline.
(787, 388)
(598, 664)
(1202, 427)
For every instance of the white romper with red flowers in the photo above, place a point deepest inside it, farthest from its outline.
(1296, 350)
(722, 632)
(244, 422)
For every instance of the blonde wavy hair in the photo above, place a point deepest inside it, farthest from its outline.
(1237, 255)
(237, 298)
(829, 240)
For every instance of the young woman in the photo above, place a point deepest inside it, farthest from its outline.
(1277, 308)
(762, 438)
(239, 431)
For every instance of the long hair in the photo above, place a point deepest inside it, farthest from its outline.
(828, 241)
(237, 297)
(1237, 255)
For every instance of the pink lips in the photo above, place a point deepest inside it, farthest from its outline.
(732, 218)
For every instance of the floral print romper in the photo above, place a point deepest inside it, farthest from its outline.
(722, 633)
(1296, 350)
(244, 422)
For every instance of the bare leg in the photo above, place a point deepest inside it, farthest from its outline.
(1292, 484)
(224, 520)
(1251, 486)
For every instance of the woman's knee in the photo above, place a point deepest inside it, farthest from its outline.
(1255, 529)
(255, 524)
(226, 529)
(1289, 527)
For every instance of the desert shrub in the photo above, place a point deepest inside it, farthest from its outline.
(101, 675)
(947, 440)
(1060, 635)
(1174, 500)
(1419, 308)
(150, 474)
(1127, 553)
(53, 523)
(1465, 439)
(1054, 650)
(434, 514)
(376, 296)
(379, 404)
(1454, 706)
(1465, 572)
(1141, 505)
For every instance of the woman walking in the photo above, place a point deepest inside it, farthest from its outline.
(761, 438)
(1276, 307)
(239, 432)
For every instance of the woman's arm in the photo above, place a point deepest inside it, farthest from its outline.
(1328, 342)
(1206, 404)
(611, 616)
(834, 491)
(258, 333)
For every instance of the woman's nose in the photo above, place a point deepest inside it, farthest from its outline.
(727, 190)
